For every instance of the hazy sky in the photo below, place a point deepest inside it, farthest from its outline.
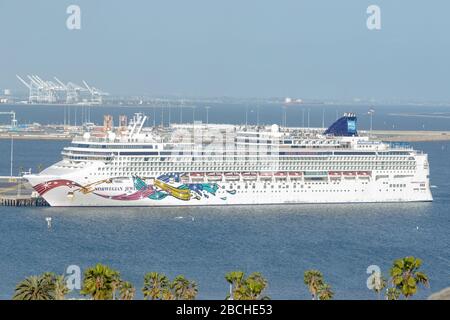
(242, 48)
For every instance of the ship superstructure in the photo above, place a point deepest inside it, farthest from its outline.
(218, 164)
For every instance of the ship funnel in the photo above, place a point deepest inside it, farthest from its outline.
(344, 126)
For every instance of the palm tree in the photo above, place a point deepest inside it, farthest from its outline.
(58, 285)
(192, 291)
(167, 294)
(127, 291)
(100, 282)
(313, 279)
(250, 288)
(235, 279)
(392, 294)
(405, 276)
(316, 285)
(156, 286)
(325, 292)
(255, 284)
(61, 289)
(183, 289)
(34, 288)
(115, 285)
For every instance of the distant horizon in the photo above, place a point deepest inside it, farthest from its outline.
(305, 100)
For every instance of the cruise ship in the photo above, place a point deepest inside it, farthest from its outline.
(219, 164)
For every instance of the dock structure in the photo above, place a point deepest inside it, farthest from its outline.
(17, 192)
(411, 136)
(15, 201)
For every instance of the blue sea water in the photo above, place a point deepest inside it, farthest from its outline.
(205, 243)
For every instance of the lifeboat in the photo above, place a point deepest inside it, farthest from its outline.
(214, 176)
(293, 175)
(232, 176)
(334, 173)
(249, 176)
(364, 173)
(197, 176)
(280, 175)
(265, 175)
(349, 173)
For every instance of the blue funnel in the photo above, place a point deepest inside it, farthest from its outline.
(343, 127)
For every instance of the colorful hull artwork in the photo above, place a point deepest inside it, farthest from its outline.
(167, 185)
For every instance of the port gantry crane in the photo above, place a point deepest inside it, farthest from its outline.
(73, 91)
(13, 118)
(96, 94)
(41, 91)
(49, 91)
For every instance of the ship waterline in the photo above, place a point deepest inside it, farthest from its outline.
(202, 164)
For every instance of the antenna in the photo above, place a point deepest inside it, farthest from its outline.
(323, 118)
(168, 107)
(193, 126)
(12, 153)
(207, 115)
(303, 118)
(154, 115)
(181, 111)
(246, 115)
(162, 114)
(308, 116)
(257, 115)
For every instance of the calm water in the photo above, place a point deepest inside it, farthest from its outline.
(280, 241)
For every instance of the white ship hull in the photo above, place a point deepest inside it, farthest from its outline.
(352, 191)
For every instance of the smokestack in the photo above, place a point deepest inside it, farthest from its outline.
(123, 122)
(108, 122)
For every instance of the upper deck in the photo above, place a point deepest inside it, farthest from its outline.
(224, 141)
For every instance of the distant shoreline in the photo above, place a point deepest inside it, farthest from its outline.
(384, 135)
(35, 137)
(411, 136)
